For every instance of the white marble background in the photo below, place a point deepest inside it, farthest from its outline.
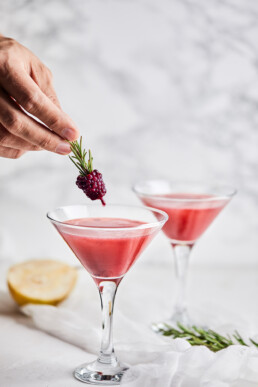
(158, 88)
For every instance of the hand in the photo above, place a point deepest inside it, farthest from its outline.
(26, 86)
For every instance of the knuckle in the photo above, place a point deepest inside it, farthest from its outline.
(44, 71)
(16, 154)
(29, 102)
(35, 148)
(5, 72)
(24, 131)
(7, 57)
(10, 42)
(52, 98)
(45, 142)
(54, 122)
(49, 73)
(3, 138)
(12, 122)
(3, 134)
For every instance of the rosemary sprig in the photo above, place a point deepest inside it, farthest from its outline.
(207, 337)
(79, 157)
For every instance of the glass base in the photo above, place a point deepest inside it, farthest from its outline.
(101, 374)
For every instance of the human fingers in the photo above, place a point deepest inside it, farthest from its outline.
(18, 123)
(27, 93)
(9, 140)
(10, 153)
(43, 77)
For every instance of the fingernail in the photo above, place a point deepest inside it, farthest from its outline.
(63, 148)
(69, 134)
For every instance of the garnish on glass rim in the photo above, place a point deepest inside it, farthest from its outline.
(90, 180)
(207, 337)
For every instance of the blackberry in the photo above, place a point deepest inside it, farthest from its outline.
(89, 180)
(81, 182)
(94, 186)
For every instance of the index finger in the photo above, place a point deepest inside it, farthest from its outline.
(26, 92)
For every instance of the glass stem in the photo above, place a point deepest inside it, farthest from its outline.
(107, 291)
(182, 253)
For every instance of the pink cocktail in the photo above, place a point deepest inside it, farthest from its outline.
(107, 241)
(189, 214)
(191, 209)
(106, 256)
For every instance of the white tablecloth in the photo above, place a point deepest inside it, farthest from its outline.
(43, 349)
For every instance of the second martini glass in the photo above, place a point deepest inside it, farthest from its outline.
(107, 241)
(191, 208)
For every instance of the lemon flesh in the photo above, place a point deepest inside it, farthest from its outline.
(41, 281)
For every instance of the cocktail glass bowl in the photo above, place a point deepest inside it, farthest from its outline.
(191, 208)
(107, 241)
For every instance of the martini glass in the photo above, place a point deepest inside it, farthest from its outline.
(191, 208)
(107, 241)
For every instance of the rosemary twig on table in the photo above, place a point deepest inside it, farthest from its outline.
(207, 337)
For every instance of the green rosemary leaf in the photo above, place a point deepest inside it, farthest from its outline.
(239, 339)
(79, 157)
(207, 337)
(77, 166)
(254, 343)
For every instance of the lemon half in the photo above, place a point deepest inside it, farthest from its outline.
(41, 281)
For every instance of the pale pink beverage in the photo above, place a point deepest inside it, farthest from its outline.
(191, 208)
(108, 253)
(107, 240)
(189, 214)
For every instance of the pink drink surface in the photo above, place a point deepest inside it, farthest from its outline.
(106, 254)
(188, 219)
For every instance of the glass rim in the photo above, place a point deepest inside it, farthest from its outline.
(114, 229)
(227, 195)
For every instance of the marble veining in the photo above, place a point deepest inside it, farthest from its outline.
(157, 88)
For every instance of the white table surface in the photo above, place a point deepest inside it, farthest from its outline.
(30, 357)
